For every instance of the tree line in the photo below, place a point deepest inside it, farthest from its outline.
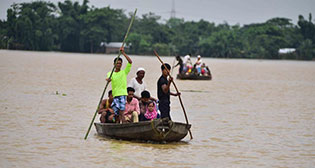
(73, 27)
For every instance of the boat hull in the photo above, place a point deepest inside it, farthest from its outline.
(193, 77)
(157, 130)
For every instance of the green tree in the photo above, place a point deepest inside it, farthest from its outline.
(162, 48)
(102, 25)
(31, 25)
(307, 28)
(71, 25)
(306, 50)
(3, 35)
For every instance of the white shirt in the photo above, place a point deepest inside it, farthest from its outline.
(186, 59)
(200, 63)
(137, 86)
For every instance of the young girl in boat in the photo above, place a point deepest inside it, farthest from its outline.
(151, 112)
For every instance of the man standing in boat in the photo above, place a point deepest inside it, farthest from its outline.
(180, 63)
(119, 85)
(163, 89)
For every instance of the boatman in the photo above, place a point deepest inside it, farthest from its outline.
(180, 63)
(119, 86)
(163, 90)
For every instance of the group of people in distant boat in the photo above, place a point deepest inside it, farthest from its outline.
(186, 67)
(134, 103)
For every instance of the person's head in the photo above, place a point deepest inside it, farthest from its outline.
(151, 106)
(198, 57)
(177, 57)
(110, 95)
(119, 62)
(130, 92)
(140, 73)
(164, 70)
(145, 96)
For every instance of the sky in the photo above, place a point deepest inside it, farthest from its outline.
(217, 11)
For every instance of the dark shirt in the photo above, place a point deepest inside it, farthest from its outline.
(163, 97)
(180, 62)
(143, 107)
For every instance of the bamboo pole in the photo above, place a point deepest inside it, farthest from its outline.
(98, 106)
(179, 97)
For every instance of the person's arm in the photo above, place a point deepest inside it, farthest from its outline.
(137, 107)
(102, 107)
(138, 98)
(153, 99)
(126, 56)
(110, 110)
(108, 79)
(175, 94)
(166, 87)
(177, 64)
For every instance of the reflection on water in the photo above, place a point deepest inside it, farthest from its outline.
(254, 113)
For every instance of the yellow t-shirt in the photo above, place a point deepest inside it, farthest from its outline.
(119, 81)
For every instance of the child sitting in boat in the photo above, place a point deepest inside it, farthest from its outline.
(151, 112)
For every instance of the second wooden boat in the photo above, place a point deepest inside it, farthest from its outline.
(193, 77)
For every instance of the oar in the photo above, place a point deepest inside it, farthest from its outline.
(180, 100)
(98, 106)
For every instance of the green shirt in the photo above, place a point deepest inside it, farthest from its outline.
(119, 81)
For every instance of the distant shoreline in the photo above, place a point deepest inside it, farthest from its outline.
(168, 56)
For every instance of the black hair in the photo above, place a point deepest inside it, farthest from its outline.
(110, 93)
(130, 89)
(145, 94)
(150, 101)
(167, 66)
(119, 59)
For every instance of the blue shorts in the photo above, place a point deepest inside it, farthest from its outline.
(119, 104)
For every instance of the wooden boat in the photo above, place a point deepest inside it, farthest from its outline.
(193, 77)
(159, 130)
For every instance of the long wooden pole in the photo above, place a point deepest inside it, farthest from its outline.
(98, 106)
(180, 99)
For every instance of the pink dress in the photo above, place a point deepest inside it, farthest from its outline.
(151, 114)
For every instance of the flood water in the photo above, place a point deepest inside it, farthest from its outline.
(254, 113)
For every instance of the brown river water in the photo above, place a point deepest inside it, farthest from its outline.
(254, 113)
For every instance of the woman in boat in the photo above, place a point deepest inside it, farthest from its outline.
(107, 113)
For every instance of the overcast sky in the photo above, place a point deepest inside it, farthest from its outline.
(217, 11)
